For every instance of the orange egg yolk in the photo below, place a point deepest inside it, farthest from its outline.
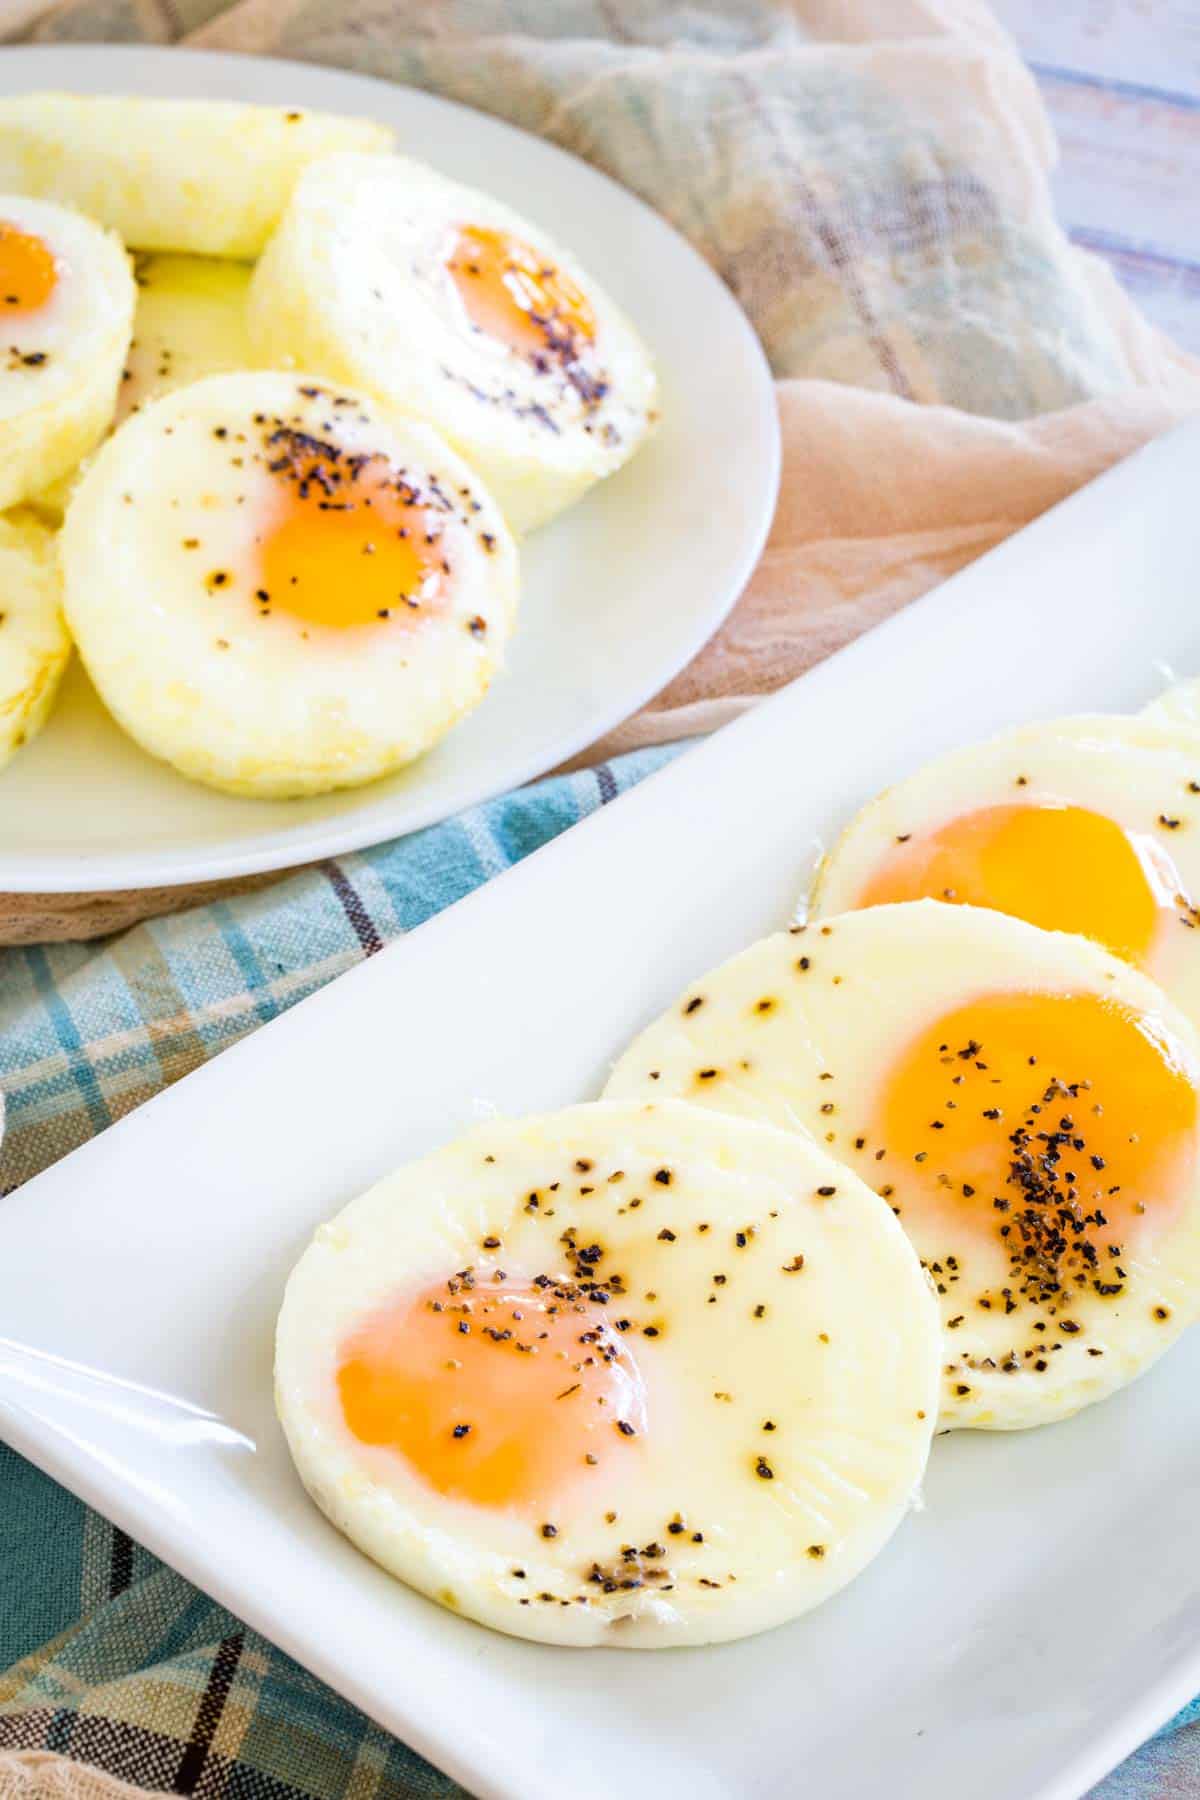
(28, 271)
(1062, 1126)
(503, 1394)
(1061, 867)
(350, 542)
(510, 292)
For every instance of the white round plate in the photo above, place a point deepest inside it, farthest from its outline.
(617, 594)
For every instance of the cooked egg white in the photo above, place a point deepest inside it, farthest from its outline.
(1025, 1102)
(628, 1375)
(190, 322)
(207, 176)
(1177, 705)
(1088, 824)
(34, 643)
(453, 307)
(280, 589)
(66, 313)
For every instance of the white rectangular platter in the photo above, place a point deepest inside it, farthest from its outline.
(1023, 1631)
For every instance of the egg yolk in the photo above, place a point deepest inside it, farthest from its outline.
(350, 541)
(501, 1394)
(1062, 1126)
(28, 271)
(1061, 867)
(510, 292)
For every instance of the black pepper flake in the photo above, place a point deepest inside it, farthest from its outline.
(794, 1267)
(549, 1531)
(625, 1428)
(663, 1177)
(763, 1469)
(460, 1431)
(826, 1192)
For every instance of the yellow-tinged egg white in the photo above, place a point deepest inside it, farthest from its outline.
(280, 589)
(66, 313)
(207, 176)
(1087, 824)
(454, 308)
(34, 643)
(1177, 705)
(1024, 1101)
(630, 1375)
(190, 322)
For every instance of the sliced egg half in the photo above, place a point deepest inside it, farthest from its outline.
(34, 643)
(1087, 824)
(452, 307)
(630, 1375)
(66, 313)
(280, 589)
(207, 176)
(1025, 1102)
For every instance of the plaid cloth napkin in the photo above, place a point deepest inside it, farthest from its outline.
(870, 177)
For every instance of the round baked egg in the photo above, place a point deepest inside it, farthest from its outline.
(280, 589)
(34, 643)
(452, 307)
(209, 177)
(1026, 1103)
(1088, 824)
(66, 314)
(629, 1374)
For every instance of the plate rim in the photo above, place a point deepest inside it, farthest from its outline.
(350, 830)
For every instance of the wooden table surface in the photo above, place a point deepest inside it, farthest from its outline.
(1121, 79)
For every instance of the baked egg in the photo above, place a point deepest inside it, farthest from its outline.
(1025, 1102)
(279, 588)
(629, 1374)
(448, 305)
(66, 314)
(207, 176)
